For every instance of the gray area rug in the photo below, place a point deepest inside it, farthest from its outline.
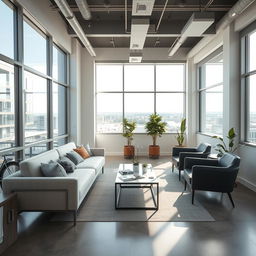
(173, 206)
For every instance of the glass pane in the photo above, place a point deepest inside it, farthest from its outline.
(139, 77)
(7, 34)
(211, 112)
(109, 77)
(251, 133)
(35, 99)
(138, 107)
(59, 110)
(34, 49)
(59, 69)
(35, 150)
(170, 77)
(170, 107)
(109, 112)
(7, 108)
(252, 51)
(59, 142)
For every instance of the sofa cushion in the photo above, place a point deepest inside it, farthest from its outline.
(75, 157)
(64, 149)
(82, 152)
(94, 162)
(85, 179)
(31, 167)
(53, 169)
(67, 164)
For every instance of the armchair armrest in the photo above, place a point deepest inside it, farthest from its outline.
(191, 161)
(98, 151)
(176, 150)
(218, 179)
(183, 155)
(44, 184)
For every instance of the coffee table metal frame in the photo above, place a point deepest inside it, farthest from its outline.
(130, 185)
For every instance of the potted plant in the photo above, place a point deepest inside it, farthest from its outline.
(222, 147)
(155, 127)
(128, 128)
(181, 133)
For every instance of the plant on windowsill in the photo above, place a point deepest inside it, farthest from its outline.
(128, 128)
(181, 133)
(222, 147)
(155, 127)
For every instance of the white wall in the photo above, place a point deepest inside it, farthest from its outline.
(114, 143)
(229, 38)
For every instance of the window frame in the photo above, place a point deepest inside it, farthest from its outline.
(201, 89)
(20, 16)
(155, 92)
(245, 75)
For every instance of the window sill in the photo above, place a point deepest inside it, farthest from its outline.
(106, 133)
(207, 134)
(249, 144)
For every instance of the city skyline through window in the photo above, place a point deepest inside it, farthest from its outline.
(138, 91)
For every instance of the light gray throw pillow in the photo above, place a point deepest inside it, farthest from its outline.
(67, 164)
(75, 157)
(53, 169)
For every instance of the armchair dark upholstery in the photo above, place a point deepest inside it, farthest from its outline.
(212, 175)
(179, 154)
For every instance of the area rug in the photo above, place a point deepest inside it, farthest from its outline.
(174, 205)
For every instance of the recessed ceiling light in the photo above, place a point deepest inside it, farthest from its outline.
(233, 14)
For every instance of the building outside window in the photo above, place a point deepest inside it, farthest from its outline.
(210, 77)
(33, 91)
(136, 91)
(248, 84)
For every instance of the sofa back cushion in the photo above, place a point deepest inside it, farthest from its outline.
(63, 150)
(31, 167)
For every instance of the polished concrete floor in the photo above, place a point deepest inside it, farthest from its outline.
(233, 233)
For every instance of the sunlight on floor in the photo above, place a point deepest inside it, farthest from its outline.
(160, 232)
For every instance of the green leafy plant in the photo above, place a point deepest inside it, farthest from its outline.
(181, 133)
(129, 127)
(222, 147)
(155, 127)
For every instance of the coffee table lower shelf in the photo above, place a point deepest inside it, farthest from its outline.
(129, 185)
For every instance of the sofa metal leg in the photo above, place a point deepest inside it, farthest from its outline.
(74, 215)
(172, 167)
(185, 185)
(193, 196)
(102, 170)
(231, 200)
(179, 174)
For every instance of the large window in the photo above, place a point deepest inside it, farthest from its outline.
(136, 91)
(211, 94)
(33, 86)
(248, 84)
(7, 31)
(7, 135)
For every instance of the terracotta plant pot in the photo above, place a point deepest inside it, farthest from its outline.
(128, 152)
(154, 151)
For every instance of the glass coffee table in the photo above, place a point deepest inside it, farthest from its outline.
(132, 178)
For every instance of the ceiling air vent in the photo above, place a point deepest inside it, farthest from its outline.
(142, 7)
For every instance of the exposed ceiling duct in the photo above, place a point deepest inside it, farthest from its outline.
(69, 15)
(196, 26)
(139, 30)
(142, 7)
(84, 9)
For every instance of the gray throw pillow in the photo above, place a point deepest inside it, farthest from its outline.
(88, 148)
(75, 157)
(67, 164)
(53, 169)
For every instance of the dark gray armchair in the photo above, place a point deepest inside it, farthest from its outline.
(218, 175)
(179, 154)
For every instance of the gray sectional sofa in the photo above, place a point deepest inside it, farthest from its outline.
(38, 193)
